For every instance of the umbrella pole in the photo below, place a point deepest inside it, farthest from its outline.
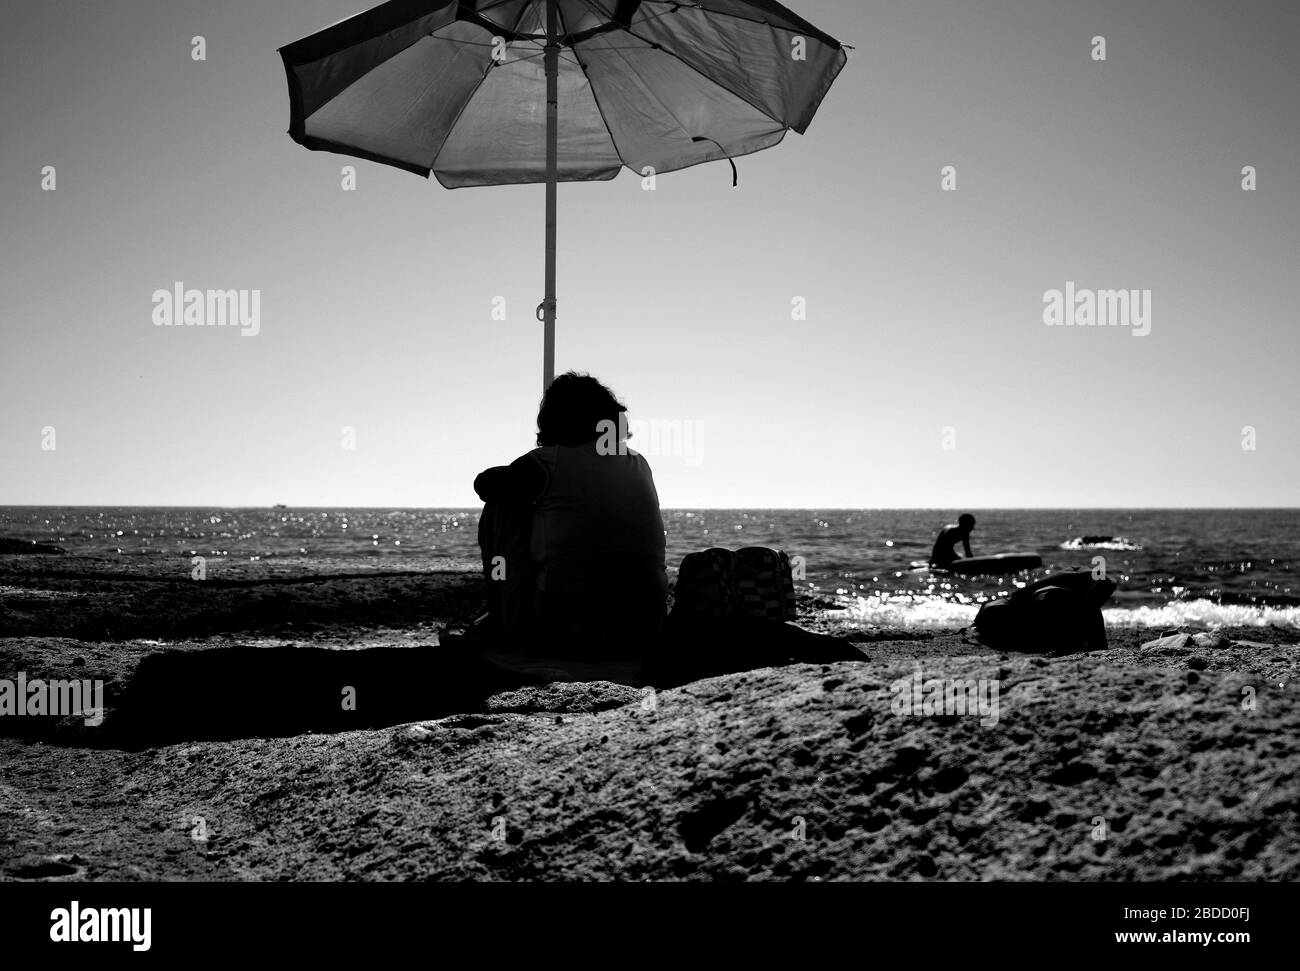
(552, 62)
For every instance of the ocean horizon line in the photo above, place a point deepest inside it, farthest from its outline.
(813, 508)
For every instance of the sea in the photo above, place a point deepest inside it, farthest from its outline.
(1215, 567)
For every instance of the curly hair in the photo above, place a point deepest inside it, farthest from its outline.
(573, 408)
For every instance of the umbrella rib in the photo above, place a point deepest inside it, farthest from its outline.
(462, 43)
(651, 45)
(595, 97)
(667, 13)
(820, 35)
(735, 94)
(493, 4)
(433, 163)
(502, 3)
(817, 34)
(522, 57)
(537, 51)
(432, 35)
(672, 114)
(783, 129)
(591, 86)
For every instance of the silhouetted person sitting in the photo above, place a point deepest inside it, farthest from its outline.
(945, 547)
(571, 534)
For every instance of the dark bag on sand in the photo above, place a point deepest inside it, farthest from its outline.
(718, 583)
(730, 614)
(706, 585)
(1058, 614)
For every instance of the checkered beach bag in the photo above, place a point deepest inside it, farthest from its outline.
(766, 585)
(717, 583)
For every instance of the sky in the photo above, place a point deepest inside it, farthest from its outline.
(922, 376)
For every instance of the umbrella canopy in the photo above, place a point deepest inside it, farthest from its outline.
(496, 92)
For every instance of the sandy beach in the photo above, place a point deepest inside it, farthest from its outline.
(226, 755)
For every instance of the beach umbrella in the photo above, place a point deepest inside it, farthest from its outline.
(498, 92)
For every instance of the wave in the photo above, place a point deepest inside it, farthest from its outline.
(1100, 543)
(1202, 613)
(886, 611)
(936, 614)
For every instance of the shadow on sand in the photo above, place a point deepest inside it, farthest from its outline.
(261, 692)
(226, 693)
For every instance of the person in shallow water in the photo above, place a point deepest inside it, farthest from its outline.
(945, 547)
(571, 534)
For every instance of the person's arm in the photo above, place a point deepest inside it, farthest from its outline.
(965, 542)
(518, 483)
